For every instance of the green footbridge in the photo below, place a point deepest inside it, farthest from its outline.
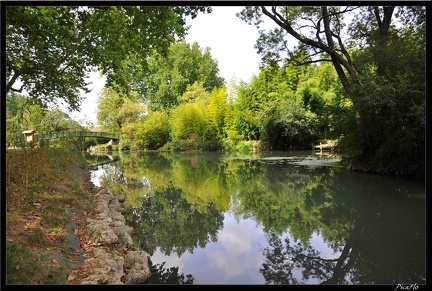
(70, 134)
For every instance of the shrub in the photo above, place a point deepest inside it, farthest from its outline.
(153, 131)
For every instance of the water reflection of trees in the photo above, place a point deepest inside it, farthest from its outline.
(283, 259)
(189, 195)
(160, 275)
(354, 221)
(167, 221)
(275, 194)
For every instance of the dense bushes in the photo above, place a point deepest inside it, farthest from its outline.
(153, 131)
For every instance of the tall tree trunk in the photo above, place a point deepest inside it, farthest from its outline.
(384, 24)
(383, 28)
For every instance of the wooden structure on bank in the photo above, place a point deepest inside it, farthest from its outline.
(29, 137)
(326, 144)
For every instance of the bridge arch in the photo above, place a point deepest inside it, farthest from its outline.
(70, 134)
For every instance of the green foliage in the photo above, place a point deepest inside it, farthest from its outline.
(51, 65)
(15, 119)
(178, 145)
(391, 135)
(279, 116)
(380, 66)
(196, 93)
(167, 78)
(109, 101)
(310, 95)
(153, 130)
(24, 114)
(285, 125)
(118, 112)
(217, 111)
(56, 120)
(244, 118)
(325, 36)
(129, 114)
(390, 138)
(125, 145)
(188, 122)
(75, 40)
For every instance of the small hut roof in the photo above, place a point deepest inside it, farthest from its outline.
(29, 131)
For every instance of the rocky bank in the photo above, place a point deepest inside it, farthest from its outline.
(114, 259)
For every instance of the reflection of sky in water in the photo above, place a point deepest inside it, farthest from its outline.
(325, 252)
(235, 258)
(96, 175)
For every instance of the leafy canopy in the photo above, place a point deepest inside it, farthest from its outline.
(50, 50)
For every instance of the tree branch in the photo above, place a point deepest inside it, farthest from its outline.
(296, 63)
(12, 81)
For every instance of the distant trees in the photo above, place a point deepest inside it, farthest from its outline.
(117, 112)
(163, 83)
(153, 131)
(21, 114)
(279, 108)
(364, 80)
(282, 115)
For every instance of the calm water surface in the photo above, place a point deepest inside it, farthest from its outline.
(272, 218)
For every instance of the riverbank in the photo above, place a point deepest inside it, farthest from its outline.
(61, 229)
(113, 259)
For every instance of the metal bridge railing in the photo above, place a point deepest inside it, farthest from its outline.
(69, 134)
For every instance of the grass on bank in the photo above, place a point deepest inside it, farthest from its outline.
(40, 184)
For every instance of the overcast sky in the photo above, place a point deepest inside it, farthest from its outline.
(230, 39)
(231, 42)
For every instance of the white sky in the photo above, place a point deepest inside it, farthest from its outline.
(231, 42)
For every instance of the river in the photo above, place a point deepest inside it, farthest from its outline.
(270, 218)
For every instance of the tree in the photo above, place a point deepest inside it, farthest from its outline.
(217, 111)
(244, 110)
(196, 93)
(153, 131)
(130, 113)
(372, 60)
(391, 135)
(119, 113)
(51, 49)
(23, 114)
(189, 119)
(108, 104)
(16, 120)
(167, 78)
(326, 37)
(56, 120)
